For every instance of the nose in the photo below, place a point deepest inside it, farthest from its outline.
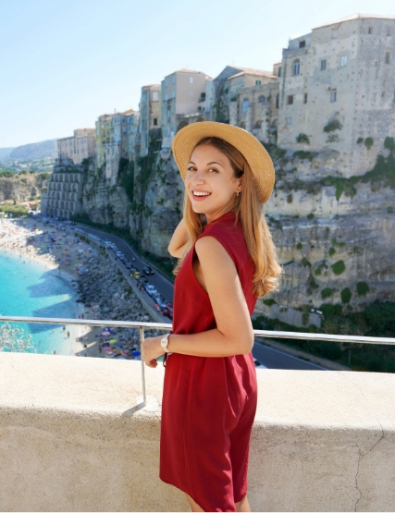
(198, 177)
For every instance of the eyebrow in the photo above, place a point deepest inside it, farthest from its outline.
(209, 163)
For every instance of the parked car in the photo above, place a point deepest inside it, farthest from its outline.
(258, 364)
(167, 312)
(136, 275)
(147, 270)
(128, 265)
(151, 290)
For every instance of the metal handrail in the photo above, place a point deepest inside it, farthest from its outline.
(141, 326)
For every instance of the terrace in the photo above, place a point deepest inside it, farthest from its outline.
(82, 434)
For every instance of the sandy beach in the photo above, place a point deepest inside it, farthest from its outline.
(57, 247)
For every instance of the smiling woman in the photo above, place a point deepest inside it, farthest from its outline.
(226, 260)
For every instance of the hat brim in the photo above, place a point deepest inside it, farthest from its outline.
(252, 150)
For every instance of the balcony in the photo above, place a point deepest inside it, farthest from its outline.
(75, 435)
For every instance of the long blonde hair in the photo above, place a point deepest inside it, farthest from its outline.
(248, 209)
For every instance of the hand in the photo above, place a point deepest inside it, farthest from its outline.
(151, 350)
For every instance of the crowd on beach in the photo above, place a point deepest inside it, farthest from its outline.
(62, 249)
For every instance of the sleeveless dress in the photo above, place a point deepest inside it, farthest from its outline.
(208, 403)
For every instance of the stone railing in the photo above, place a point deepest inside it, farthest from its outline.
(75, 436)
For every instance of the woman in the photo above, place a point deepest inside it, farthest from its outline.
(226, 260)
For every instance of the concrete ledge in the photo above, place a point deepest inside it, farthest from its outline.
(73, 437)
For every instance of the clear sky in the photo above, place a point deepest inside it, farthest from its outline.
(63, 63)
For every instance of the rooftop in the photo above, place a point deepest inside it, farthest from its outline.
(250, 71)
(356, 17)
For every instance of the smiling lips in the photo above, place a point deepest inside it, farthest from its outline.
(199, 195)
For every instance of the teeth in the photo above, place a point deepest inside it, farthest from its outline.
(201, 193)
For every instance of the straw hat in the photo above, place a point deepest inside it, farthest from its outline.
(252, 150)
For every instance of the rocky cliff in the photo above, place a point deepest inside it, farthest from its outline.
(22, 187)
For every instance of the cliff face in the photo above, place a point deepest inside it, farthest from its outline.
(21, 187)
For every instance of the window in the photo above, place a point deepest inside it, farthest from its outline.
(388, 31)
(155, 96)
(305, 98)
(370, 30)
(166, 96)
(155, 122)
(343, 61)
(302, 44)
(173, 79)
(191, 80)
(173, 94)
(290, 99)
(191, 94)
(388, 56)
(277, 101)
(166, 82)
(258, 82)
(245, 105)
(333, 95)
(296, 68)
(262, 99)
(289, 121)
(279, 72)
(323, 64)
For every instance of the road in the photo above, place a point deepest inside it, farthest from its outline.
(267, 356)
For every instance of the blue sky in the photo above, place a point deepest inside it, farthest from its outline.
(66, 62)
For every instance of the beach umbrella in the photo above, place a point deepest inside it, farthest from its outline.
(113, 340)
(136, 353)
(106, 333)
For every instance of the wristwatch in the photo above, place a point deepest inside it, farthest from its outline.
(165, 342)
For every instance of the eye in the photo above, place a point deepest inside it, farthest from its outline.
(212, 169)
(191, 168)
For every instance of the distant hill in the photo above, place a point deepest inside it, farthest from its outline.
(5, 153)
(35, 151)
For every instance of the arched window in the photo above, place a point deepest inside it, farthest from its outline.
(262, 99)
(296, 68)
(245, 106)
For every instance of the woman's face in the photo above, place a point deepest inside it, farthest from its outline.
(210, 182)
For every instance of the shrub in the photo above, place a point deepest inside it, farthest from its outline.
(310, 216)
(327, 292)
(332, 126)
(381, 317)
(302, 139)
(369, 142)
(299, 245)
(332, 251)
(305, 262)
(331, 310)
(362, 288)
(360, 140)
(303, 155)
(289, 198)
(268, 302)
(345, 295)
(317, 272)
(338, 267)
(389, 143)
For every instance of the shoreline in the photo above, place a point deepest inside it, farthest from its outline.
(82, 338)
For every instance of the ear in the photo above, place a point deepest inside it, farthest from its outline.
(239, 184)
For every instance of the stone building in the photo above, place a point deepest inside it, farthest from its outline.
(182, 93)
(78, 147)
(113, 142)
(63, 197)
(337, 91)
(150, 114)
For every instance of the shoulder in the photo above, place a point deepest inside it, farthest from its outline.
(212, 253)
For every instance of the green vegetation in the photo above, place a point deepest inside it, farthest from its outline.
(341, 184)
(378, 319)
(360, 140)
(369, 142)
(389, 143)
(331, 251)
(332, 126)
(5, 173)
(345, 295)
(13, 210)
(362, 288)
(302, 139)
(299, 245)
(327, 292)
(269, 302)
(289, 198)
(126, 177)
(338, 267)
(310, 216)
(304, 155)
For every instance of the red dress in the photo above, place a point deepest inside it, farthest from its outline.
(208, 403)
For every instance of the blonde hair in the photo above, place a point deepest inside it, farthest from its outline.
(248, 209)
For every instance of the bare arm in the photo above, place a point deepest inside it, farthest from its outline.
(233, 334)
(178, 241)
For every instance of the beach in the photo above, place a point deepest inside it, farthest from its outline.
(61, 248)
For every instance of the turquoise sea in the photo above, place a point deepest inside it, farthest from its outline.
(28, 288)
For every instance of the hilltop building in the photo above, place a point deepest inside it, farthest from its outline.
(78, 147)
(115, 138)
(183, 92)
(150, 114)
